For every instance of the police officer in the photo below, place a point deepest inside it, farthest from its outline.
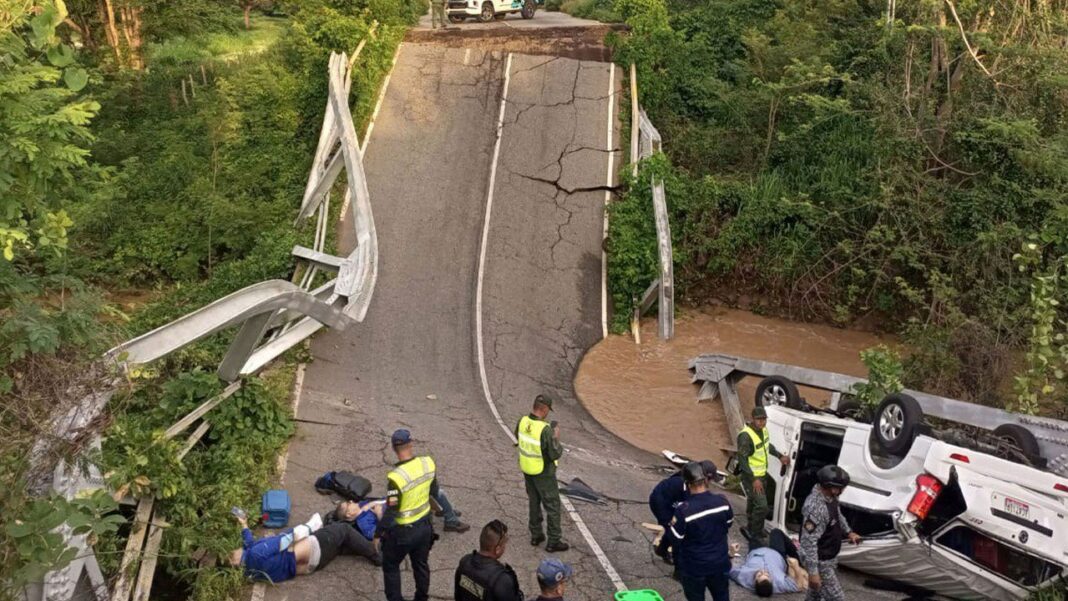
(700, 525)
(822, 529)
(754, 445)
(481, 576)
(539, 452)
(406, 529)
(666, 495)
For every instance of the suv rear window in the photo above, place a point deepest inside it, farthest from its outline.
(997, 556)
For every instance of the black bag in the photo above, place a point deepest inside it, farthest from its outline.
(347, 484)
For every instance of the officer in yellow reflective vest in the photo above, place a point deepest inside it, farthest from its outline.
(539, 449)
(754, 446)
(406, 529)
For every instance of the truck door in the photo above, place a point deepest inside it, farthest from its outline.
(817, 445)
(783, 428)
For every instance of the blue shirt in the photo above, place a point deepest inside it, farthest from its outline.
(764, 558)
(265, 560)
(367, 521)
(701, 524)
(668, 493)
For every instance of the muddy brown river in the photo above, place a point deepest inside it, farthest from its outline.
(643, 394)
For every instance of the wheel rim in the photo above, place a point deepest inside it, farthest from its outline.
(774, 395)
(891, 422)
(487, 12)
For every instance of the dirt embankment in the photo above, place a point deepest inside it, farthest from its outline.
(581, 43)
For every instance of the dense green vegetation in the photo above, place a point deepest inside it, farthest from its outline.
(828, 164)
(152, 150)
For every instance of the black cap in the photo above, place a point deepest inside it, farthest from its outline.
(693, 472)
(759, 412)
(710, 470)
(544, 399)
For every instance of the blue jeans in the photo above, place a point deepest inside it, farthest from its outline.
(694, 586)
(446, 508)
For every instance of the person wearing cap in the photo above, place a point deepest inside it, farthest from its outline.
(481, 576)
(663, 500)
(754, 446)
(405, 529)
(700, 525)
(539, 451)
(553, 576)
(822, 529)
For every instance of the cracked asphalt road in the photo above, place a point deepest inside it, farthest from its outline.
(413, 362)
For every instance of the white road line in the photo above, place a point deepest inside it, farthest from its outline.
(607, 199)
(371, 125)
(260, 589)
(609, 569)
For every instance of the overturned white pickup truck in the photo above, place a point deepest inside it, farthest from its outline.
(974, 506)
(943, 518)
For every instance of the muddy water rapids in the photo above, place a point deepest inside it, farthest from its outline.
(643, 394)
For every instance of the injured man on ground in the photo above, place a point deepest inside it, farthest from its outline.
(349, 530)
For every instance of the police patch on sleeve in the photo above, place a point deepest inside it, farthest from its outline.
(810, 525)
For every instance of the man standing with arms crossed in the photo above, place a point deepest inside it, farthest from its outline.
(406, 529)
(539, 451)
(754, 445)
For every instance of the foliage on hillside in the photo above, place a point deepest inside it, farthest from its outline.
(187, 180)
(831, 165)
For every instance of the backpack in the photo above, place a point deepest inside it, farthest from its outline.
(347, 484)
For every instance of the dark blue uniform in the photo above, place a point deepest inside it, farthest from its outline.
(668, 493)
(700, 525)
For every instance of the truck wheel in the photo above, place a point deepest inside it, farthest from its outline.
(898, 421)
(1019, 440)
(528, 9)
(487, 13)
(456, 19)
(778, 391)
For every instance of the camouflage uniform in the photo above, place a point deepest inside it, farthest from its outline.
(821, 539)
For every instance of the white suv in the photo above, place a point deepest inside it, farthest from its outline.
(944, 518)
(487, 10)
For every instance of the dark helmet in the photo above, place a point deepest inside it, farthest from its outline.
(693, 472)
(832, 475)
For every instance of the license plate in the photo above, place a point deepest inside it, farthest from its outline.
(1017, 508)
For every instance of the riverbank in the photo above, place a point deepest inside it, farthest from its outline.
(642, 393)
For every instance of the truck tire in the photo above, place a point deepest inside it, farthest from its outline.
(898, 421)
(1020, 440)
(457, 18)
(528, 9)
(778, 391)
(487, 13)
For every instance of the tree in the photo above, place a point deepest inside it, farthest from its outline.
(43, 127)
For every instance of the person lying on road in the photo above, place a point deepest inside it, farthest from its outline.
(299, 550)
(772, 569)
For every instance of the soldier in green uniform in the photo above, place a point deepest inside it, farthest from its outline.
(754, 445)
(437, 14)
(539, 451)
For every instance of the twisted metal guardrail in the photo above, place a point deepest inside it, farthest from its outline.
(273, 317)
(645, 141)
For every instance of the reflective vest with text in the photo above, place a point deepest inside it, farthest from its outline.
(531, 460)
(413, 479)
